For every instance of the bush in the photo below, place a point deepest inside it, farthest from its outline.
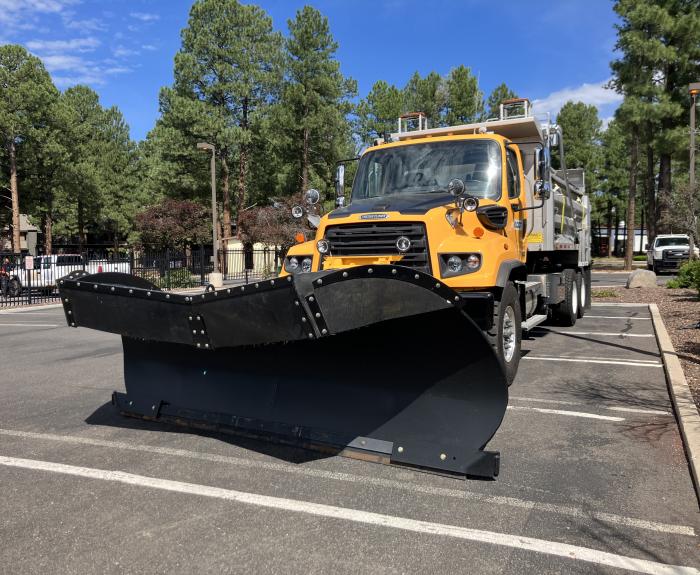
(688, 276)
(174, 279)
(639, 258)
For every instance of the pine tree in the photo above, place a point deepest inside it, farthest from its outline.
(464, 99)
(26, 93)
(426, 95)
(499, 94)
(378, 113)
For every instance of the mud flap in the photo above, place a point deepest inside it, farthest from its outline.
(382, 365)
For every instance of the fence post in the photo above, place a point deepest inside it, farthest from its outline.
(131, 262)
(29, 284)
(167, 268)
(201, 264)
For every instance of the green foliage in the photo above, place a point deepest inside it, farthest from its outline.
(378, 112)
(464, 99)
(177, 278)
(604, 293)
(639, 258)
(688, 276)
(493, 102)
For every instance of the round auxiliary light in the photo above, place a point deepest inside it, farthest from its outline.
(306, 265)
(454, 264)
(470, 204)
(292, 264)
(323, 246)
(403, 244)
(473, 261)
(297, 212)
(312, 196)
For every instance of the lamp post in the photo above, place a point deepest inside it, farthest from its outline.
(215, 277)
(694, 90)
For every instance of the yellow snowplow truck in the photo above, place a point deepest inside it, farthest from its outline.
(393, 335)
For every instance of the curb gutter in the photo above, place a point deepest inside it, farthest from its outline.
(684, 406)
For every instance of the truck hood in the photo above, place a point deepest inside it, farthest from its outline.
(412, 204)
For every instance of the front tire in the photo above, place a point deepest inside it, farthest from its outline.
(506, 333)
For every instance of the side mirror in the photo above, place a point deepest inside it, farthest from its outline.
(455, 187)
(340, 186)
(542, 190)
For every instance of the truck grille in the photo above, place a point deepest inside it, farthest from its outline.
(675, 254)
(379, 239)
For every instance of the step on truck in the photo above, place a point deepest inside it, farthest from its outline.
(394, 334)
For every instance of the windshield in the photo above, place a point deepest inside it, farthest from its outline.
(425, 168)
(663, 242)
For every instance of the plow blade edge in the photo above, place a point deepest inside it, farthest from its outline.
(379, 363)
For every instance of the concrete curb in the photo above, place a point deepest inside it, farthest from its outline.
(684, 406)
(28, 308)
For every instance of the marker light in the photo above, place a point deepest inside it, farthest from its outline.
(478, 232)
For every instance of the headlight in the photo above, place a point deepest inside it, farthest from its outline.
(454, 264)
(470, 204)
(323, 246)
(473, 261)
(306, 265)
(291, 264)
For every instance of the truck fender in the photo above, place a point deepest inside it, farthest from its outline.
(505, 270)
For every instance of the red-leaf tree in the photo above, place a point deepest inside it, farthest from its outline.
(174, 224)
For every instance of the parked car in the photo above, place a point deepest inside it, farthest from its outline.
(668, 252)
(49, 269)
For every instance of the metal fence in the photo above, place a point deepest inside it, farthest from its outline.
(32, 280)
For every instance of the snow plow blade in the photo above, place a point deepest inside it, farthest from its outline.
(375, 362)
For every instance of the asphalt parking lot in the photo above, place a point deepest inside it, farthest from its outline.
(605, 279)
(593, 474)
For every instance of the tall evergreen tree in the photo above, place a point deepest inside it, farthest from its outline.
(26, 94)
(426, 95)
(315, 99)
(227, 70)
(379, 111)
(581, 128)
(465, 102)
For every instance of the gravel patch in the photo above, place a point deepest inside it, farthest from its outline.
(680, 310)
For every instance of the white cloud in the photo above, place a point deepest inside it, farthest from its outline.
(57, 46)
(88, 25)
(593, 94)
(148, 47)
(14, 14)
(145, 16)
(123, 52)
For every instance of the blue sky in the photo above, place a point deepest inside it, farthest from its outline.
(548, 51)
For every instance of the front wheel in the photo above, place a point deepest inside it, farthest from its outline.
(506, 333)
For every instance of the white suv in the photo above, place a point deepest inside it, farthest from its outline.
(668, 252)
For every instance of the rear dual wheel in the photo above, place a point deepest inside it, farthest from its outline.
(506, 332)
(566, 312)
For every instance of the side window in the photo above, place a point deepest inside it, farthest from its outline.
(512, 174)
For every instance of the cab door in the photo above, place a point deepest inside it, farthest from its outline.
(516, 197)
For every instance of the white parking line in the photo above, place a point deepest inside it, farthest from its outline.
(601, 333)
(569, 413)
(553, 548)
(619, 304)
(617, 317)
(590, 360)
(421, 489)
(28, 324)
(610, 407)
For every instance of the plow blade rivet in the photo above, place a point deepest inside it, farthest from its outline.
(319, 282)
(303, 319)
(66, 300)
(72, 324)
(69, 312)
(202, 296)
(61, 281)
(318, 314)
(272, 282)
(190, 318)
(199, 318)
(131, 291)
(199, 345)
(311, 335)
(242, 288)
(194, 331)
(363, 442)
(449, 301)
(370, 270)
(78, 284)
(206, 345)
(153, 407)
(202, 332)
(393, 272)
(95, 286)
(296, 302)
(112, 289)
(456, 298)
(148, 293)
(416, 276)
(167, 296)
(437, 285)
(400, 450)
(443, 456)
(289, 278)
(311, 298)
(228, 291)
(324, 331)
(257, 285)
(131, 403)
(345, 274)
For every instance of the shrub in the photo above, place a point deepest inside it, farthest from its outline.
(640, 258)
(688, 276)
(174, 279)
(604, 293)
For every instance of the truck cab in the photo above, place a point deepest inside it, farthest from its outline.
(479, 208)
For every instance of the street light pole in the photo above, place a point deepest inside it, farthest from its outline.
(215, 278)
(694, 90)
